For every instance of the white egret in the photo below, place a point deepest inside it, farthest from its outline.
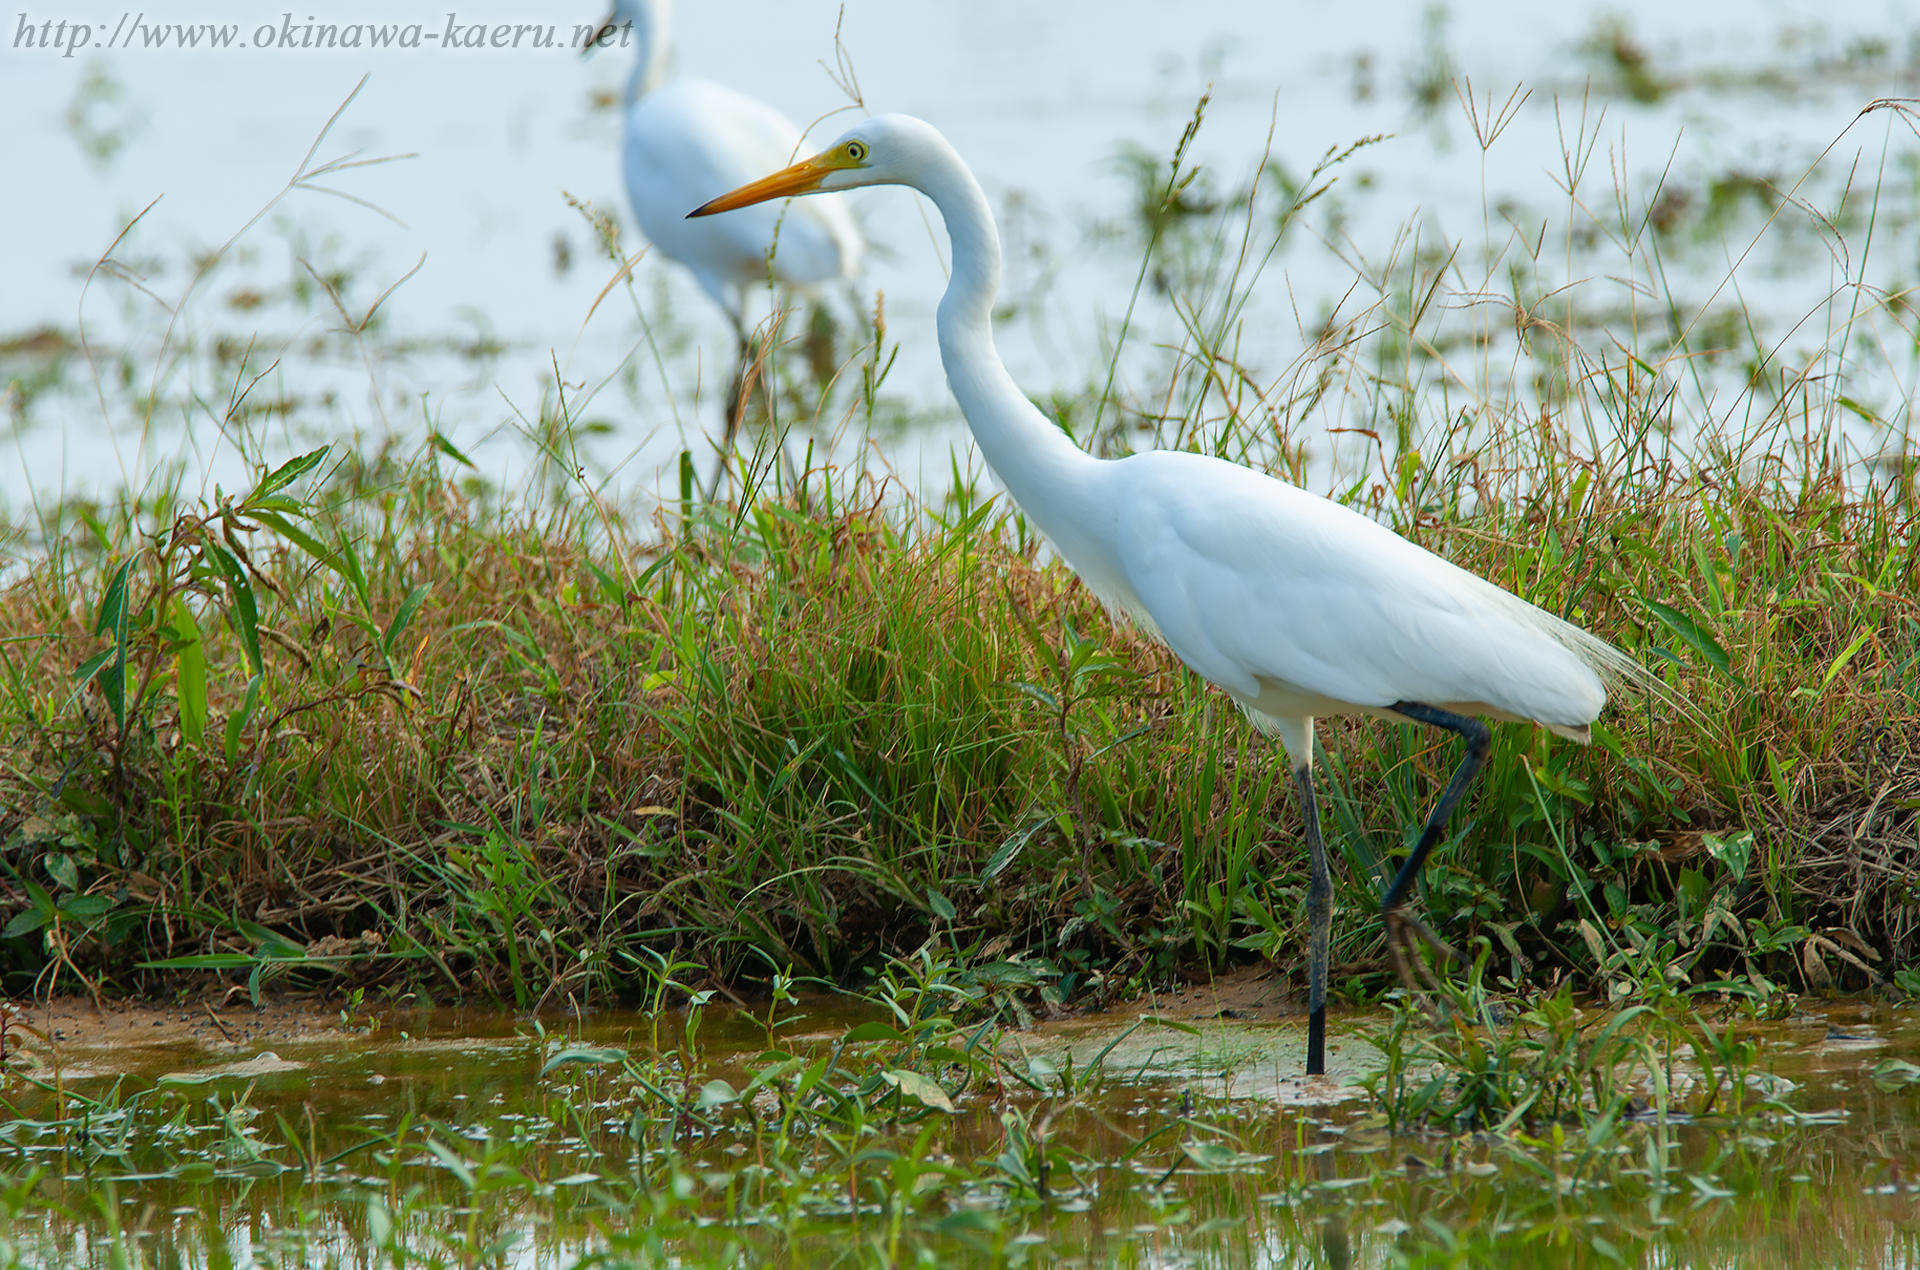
(1296, 606)
(688, 140)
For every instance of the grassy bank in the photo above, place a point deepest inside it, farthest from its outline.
(370, 727)
(373, 724)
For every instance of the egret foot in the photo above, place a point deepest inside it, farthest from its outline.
(1405, 933)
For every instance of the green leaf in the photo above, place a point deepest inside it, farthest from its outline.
(715, 1093)
(91, 666)
(299, 538)
(591, 1055)
(349, 567)
(286, 474)
(455, 1165)
(1216, 1157)
(811, 1077)
(1004, 854)
(112, 614)
(245, 609)
(1858, 409)
(26, 921)
(61, 868)
(919, 1088)
(87, 909)
(875, 1031)
(270, 943)
(408, 607)
(189, 670)
(942, 906)
(1840, 662)
(439, 442)
(112, 618)
(201, 961)
(1893, 1072)
(1695, 636)
(238, 720)
(1038, 693)
(1733, 851)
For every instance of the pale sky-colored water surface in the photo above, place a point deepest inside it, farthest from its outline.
(1039, 98)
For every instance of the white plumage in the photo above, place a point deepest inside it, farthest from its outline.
(689, 140)
(1295, 605)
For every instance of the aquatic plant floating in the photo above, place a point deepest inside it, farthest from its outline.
(1296, 606)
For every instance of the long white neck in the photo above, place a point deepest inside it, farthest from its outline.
(1051, 478)
(652, 24)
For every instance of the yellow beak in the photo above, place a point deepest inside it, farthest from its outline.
(593, 42)
(802, 178)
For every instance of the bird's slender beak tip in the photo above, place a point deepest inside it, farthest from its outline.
(802, 178)
(593, 41)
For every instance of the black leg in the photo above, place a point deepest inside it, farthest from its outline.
(1319, 924)
(736, 408)
(1479, 740)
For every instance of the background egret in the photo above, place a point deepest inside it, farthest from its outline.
(688, 140)
(1293, 604)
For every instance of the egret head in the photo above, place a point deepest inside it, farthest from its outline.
(884, 150)
(645, 18)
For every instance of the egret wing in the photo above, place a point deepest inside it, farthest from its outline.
(1254, 582)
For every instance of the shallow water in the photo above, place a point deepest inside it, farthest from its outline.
(436, 1137)
(1041, 101)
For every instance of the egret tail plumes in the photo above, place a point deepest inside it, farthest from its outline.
(1294, 605)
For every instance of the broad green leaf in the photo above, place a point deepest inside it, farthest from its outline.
(299, 538)
(245, 609)
(1038, 693)
(87, 908)
(593, 1055)
(112, 618)
(1892, 1072)
(455, 1165)
(1733, 851)
(286, 474)
(91, 666)
(189, 670)
(1216, 1157)
(715, 1093)
(26, 921)
(1004, 854)
(942, 906)
(270, 942)
(349, 567)
(875, 1031)
(919, 1088)
(112, 614)
(62, 869)
(1695, 636)
(810, 1077)
(408, 607)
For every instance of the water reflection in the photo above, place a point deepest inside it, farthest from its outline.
(439, 1138)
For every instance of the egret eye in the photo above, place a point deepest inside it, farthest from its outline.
(857, 151)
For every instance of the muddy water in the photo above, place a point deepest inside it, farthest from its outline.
(435, 1136)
